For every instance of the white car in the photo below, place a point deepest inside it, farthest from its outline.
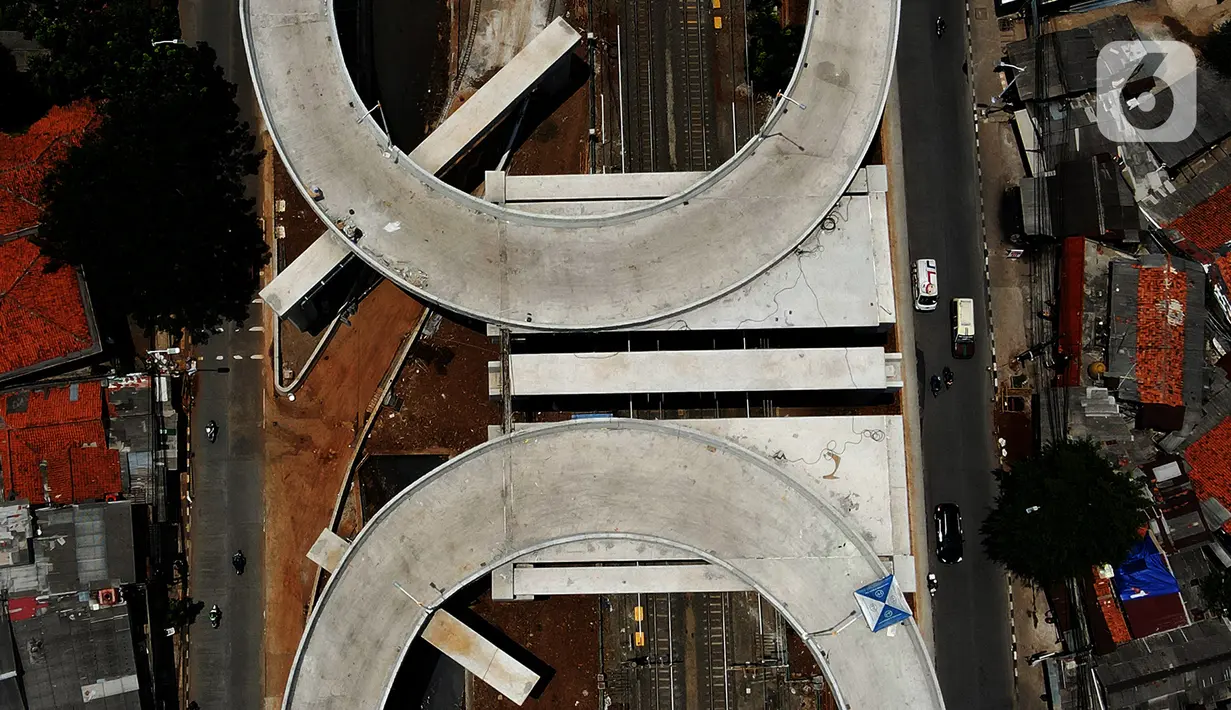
(926, 290)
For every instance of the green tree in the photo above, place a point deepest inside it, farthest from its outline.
(1216, 592)
(153, 205)
(91, 45)
(1217, 49)
(21, 104)
(1062, 511)
(774, 49)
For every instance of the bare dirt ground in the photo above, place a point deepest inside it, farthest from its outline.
(1184, 20)
(561, 632)
(301, 227)
(308, 446)
(443, 386)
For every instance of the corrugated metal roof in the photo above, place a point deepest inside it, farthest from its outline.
(1069, 58)
(1192, 663)
(69, 648)
(1213, 114)
(89, 547)
(1122, 333)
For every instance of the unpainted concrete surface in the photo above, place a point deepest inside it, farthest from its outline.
(573, 481)
(570, 273)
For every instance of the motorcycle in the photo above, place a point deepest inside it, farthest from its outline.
(940, 27)
(948, 375)
(238, 561)
(932, 584)
(215, 616)
(936, 385)
(211, 431)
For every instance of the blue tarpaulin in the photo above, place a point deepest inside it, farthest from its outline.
(1144, 574)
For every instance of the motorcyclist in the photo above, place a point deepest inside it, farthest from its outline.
(238, 561)
(211, 430)
(948, 374)
(932, 584)
(940, 26)
(215, 616)
(936, 385)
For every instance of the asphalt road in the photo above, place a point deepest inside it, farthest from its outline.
(225, 664)
(227, 515)
(970, 611)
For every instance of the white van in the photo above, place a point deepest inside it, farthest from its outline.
(962, 313)
(923, 279)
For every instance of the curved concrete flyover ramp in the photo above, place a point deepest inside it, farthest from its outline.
(593, 480)
(590, 272)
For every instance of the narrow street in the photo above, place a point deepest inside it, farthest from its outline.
(970, 611)
(225, 664)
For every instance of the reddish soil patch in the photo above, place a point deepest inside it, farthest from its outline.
(300, 227)
(300, 222)
(306, 457)
(443, 386)
(561, 632)
(560, 143)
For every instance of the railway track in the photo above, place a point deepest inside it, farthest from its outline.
(668, 686)
(695, 151)
(714, 653)
(639, 66)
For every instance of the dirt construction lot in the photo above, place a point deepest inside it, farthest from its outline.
(308, 450)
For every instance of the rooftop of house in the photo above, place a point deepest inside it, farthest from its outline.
(1156, 337)
(53, 448)
(75, 653)
(1110, 608)
(1161, 299)
(1208, 225)
(26, 158)
(1210, 460)
(45, 313)
(1192, 664)
(1070, 58)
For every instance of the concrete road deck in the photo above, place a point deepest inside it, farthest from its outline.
(583, 272)
(574, 481)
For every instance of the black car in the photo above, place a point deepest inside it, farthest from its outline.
(948, 533)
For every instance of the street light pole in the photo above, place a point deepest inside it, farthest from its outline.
(788, 98)
(1019, 72)
(167, 41)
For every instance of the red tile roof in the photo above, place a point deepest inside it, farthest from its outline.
(1208, 225)
(1210, 459)
(1161, 294)
(44, 315)
(25, 159)
(1223, 269)
(54, 439)
(1111, 609)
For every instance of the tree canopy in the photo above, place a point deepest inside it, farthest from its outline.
(153, 204)
(91, 45)
(1216, 592)
(21, 104)
(774, 49)
(1217, 49)
(1062, 511)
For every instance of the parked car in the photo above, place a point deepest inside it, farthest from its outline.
(949, 543)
